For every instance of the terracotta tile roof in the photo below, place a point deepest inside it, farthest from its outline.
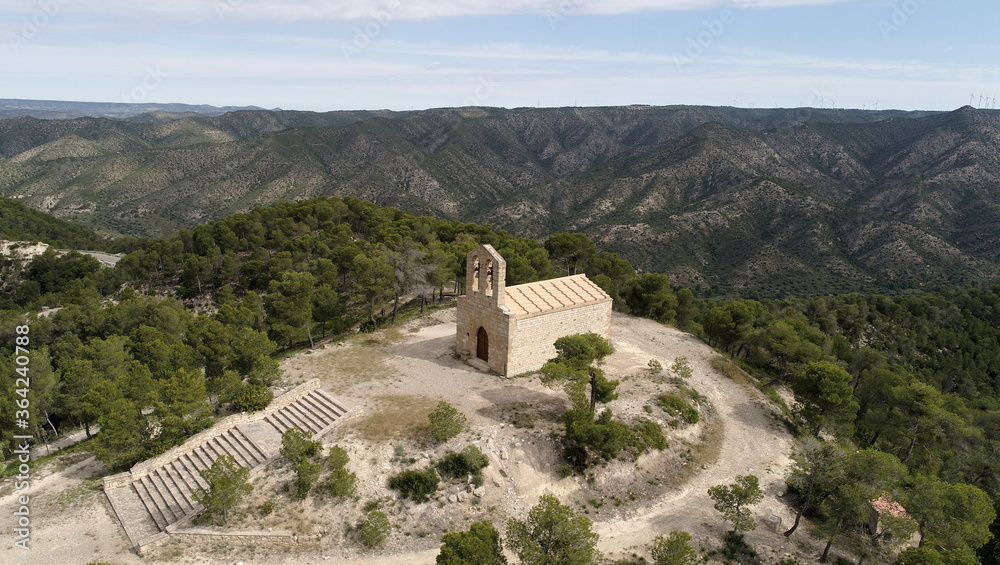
(542, 296)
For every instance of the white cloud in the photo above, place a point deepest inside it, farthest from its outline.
(354, 10)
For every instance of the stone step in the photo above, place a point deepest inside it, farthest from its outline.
(178, 487)
(303, 418)
(280, 422)
(232, 447)
(330, 401)
(257, 452)
(196, 460)
(211, 452)
(222, 443)
(190, 473)
(161, 498)
(328, 413)
(177, 490)
(151, 507)
(132, 513)
(241, 441)
(191, 469)
(184, 480)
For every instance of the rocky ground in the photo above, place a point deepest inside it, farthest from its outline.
(398, 376)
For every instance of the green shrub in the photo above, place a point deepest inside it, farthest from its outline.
(675, 549)
(480, 545)
(415, 485)
(297, 445)
(374, 529)
(648, 435)
(565, 471)
(681, 368)
(252, 397)
(338, 457)
(469, 462)
(446, 422)
(736, 549)
(604, 435)
(677, 406)
(343, 483)
(306, 475)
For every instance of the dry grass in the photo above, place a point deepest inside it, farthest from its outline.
(729, 369)
(345, 367)
(707, 452)
(396, 416)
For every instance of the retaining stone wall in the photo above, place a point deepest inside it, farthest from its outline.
(263, 540)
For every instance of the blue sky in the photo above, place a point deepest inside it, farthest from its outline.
(401, 54)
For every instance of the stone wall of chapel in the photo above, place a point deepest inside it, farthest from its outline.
(533, 338)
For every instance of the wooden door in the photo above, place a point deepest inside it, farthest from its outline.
(482, 344)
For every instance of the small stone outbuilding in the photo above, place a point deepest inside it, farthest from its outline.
(513, 330)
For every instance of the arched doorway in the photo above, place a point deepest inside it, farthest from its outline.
(482, 344)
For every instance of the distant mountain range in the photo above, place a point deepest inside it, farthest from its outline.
(62, 110)
(783, 201)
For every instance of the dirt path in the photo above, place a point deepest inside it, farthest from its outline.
(753, 443)
(63, 442)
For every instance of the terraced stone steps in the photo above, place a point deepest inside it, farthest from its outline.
(315, 412)
(158, 494)
(168, 493)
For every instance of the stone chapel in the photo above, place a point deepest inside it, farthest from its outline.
(513, 330)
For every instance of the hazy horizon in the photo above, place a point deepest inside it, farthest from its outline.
(402, 55)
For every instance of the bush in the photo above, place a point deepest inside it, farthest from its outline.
(655, 368)
(479, 545)
(674, 549)
(252, 397)
(338, 457)
(306, 475)
(469, 462)
(553, 533)
(736, 549)
(297, 446)
(681, 368)
(343, 483)
(446, 421)
(677, 406)
(605, 436)
(374, 529)
(648, 435)
(415, 485)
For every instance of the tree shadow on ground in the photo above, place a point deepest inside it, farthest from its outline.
(521, 406)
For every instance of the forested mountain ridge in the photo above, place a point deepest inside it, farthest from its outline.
(785, 202)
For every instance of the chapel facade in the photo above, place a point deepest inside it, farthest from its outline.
(513, 330)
